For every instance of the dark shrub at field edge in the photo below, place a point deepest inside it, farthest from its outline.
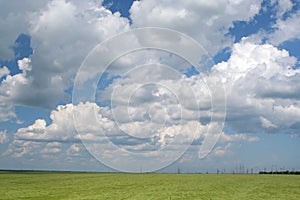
(282, 172)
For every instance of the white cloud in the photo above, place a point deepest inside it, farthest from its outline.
(24, 64)
(12, 90)
(6, 112)
(52, 148)
(58, 29)
(40, 138)
(238, 137)
(285, 29)
(13, 22)
(261, 89)
(153, 102)
(227, 142)
(154, 111)
(205, 21)
(4, 71)
(247, 58)
(267, 123)
(11, 87)
(251, 75)
(222, 151)
(62, 34)
(62, 128)
(74, 148)
(60, 138)
(284, 6)
(3, 137)
(66, 32)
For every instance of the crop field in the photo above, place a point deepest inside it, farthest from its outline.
(56, 185)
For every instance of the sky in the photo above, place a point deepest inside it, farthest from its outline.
(150, 85)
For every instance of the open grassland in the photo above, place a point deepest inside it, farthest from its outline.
(41, 185)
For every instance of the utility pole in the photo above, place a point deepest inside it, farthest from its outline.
(178, 170)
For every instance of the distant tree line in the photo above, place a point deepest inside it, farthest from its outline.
(281, 172)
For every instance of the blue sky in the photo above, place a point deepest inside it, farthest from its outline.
(153, 106)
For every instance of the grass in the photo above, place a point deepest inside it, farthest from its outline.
(39, 185)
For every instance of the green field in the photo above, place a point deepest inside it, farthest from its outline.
(41, 185)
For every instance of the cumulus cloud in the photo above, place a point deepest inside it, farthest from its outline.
(261, 89)
(11, 89)
(4, 71)
(40, 138)
(74, 150)
(152, 106)
(3, 137)
(62, 34)
(67, 31)
(54, 28)
(228, 141)
(24, 64)
(63, 130)
(206, 22)
(283, 7)
(62, 138)
(151, 110)
(238, 137)
(267, 123)
(13, 22)
(285, 29)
